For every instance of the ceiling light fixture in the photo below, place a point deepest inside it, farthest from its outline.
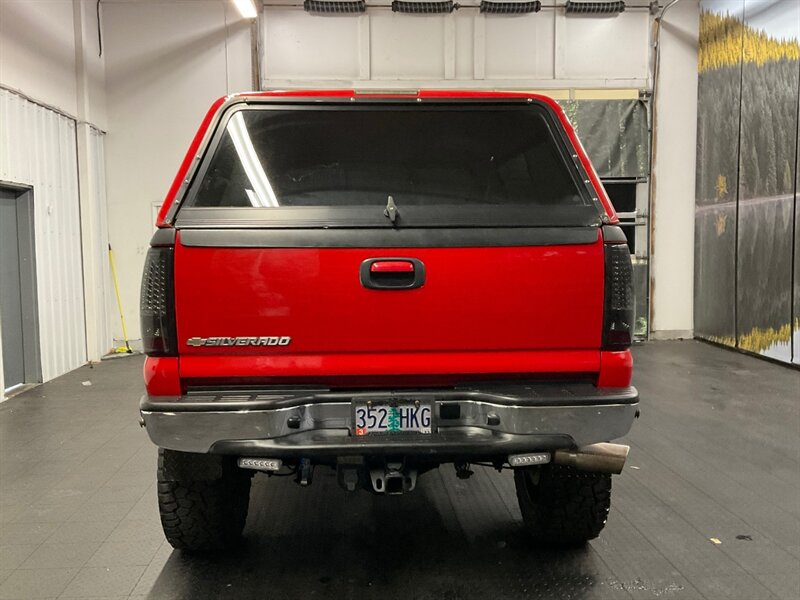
(247, 8)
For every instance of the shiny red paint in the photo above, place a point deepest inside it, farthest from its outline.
(161, 376)
(392, 266)
(615, 369)
(421, 94)
(496, 299)
(330, 367)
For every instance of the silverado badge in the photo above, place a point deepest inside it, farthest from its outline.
(240, 341)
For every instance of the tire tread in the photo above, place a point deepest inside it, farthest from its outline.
(201, 515)
(567, 507)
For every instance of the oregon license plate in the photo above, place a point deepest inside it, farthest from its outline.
(372, 418)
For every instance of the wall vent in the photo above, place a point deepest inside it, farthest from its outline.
(335, 6)
(590, 7)
(510, 8)
(423, 8)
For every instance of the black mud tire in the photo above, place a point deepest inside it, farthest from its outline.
(202, 500)
(562, 506)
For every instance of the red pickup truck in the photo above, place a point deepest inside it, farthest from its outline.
(381, 284)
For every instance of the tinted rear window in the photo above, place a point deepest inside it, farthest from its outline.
(441, 165)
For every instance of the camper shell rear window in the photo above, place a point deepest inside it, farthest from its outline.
(446, 164)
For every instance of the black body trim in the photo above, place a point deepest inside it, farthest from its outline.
(163, 237)
(613, 234)
(305, 217)
(545, 395)
(389, 237)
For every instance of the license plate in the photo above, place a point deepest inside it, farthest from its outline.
(384, 418)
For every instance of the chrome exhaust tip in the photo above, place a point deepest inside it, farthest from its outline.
(598, 458)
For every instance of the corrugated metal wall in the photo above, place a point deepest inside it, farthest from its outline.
(38, 149)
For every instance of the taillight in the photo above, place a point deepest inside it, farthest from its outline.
(157, 304)
(618, 305)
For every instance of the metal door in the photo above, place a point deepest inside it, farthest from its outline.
(18, 289)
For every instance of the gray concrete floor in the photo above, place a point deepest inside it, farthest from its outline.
(715, 456)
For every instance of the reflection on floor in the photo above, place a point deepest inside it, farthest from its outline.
(709, 506)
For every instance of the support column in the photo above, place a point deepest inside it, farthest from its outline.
(673, 204)
(95, 261)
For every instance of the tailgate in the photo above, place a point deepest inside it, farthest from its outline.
(306, 311)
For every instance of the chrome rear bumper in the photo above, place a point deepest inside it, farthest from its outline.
(488, 420)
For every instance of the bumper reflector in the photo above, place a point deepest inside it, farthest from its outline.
(260, 464)
(529, 460)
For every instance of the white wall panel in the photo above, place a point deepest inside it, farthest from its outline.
(37, 50)
(520, 46)
(166, 63)
(38, 149)
(465, 45)
(406, 46)
(540, 50)
(300, 45)
(609, 47)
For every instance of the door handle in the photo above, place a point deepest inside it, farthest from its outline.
(392, 273)
(391, 266)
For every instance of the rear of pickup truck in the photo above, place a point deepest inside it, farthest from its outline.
(382, 285)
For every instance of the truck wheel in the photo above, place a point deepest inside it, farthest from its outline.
(561, 505)
(202, 499)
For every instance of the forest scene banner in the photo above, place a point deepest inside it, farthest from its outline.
(747, 289)
(614, 134)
